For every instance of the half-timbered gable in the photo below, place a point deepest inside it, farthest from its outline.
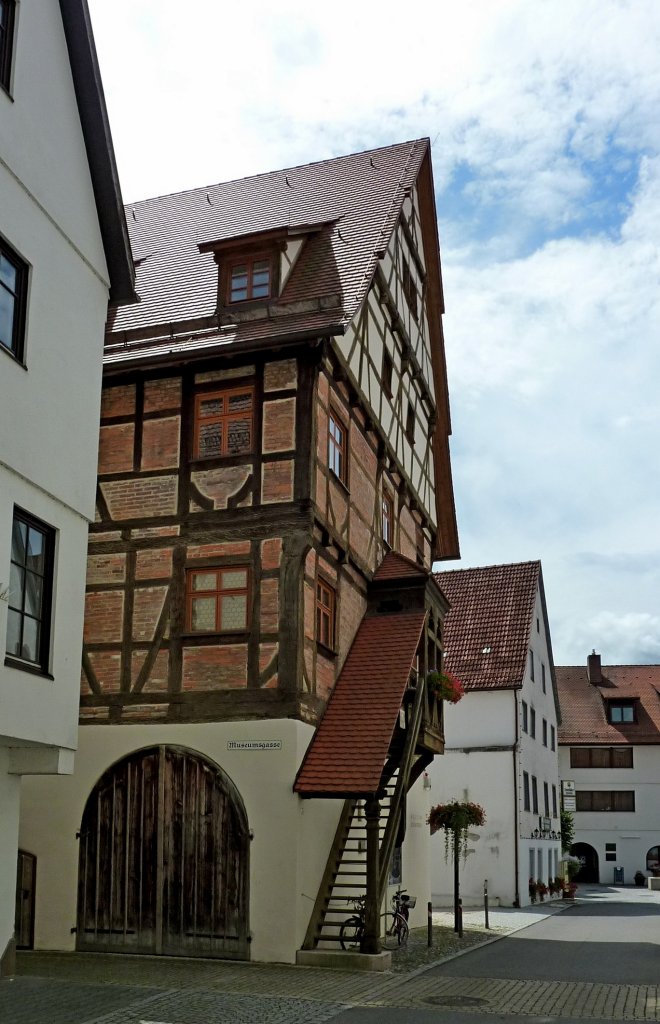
(274, 432)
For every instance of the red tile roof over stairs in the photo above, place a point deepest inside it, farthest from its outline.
(349, 749)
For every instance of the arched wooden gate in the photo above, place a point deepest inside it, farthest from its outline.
(164, 855)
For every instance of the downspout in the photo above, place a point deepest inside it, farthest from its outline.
(516, 821)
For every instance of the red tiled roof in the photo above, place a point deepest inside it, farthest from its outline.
(584, 708)
(397, 567)
(487, 629)
(348, 750)
(354, 201)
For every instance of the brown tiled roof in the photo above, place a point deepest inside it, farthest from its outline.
(396, 567)
(584, 708)
(487, 629)
(348, 751)
(354, 201)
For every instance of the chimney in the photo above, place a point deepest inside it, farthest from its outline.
(594, 674)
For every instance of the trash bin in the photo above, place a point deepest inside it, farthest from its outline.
(618, 876)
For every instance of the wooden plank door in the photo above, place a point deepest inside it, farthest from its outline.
(26, 876)
(163, 859)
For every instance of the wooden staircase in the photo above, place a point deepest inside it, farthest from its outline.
(345, 876)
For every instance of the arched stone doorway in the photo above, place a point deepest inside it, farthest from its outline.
(589, 872)
(164, 855)
(653, 860)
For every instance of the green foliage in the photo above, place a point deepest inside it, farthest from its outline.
(456, 818)
(567, 831)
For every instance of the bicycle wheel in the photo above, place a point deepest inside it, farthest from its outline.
(395, 932)
(402, 932)
(350, 933)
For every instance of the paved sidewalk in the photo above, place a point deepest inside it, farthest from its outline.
(68, 988)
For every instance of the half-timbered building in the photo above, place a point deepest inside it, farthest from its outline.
(273, 486)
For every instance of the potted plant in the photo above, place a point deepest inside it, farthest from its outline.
(445, 686)
(541, 889)
(640, 878)
(553, 886)
(532, 890)
(569, 890)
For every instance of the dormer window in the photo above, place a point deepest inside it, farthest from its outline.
(620, 712)
(250, 278)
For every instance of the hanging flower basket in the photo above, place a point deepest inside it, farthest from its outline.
(456, 819)
(445, 686)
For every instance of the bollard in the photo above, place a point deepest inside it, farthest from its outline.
(429, 937)
(460, 918)
(486, 903)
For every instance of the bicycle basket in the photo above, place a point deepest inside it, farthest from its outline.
(410, 901)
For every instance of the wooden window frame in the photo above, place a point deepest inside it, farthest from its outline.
(583, 757)
(225, 418)
(18, 295)
(338, 448)
(586, 798)
(410, 424)
(387, 373)
(7, 43)
(218, 593)
(40, 664)
(409, 288)
(387, 518)
(621, 705)
(326, 614)
(249, 260)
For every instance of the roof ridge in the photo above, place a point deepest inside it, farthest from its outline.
(496, 565)
(425, 140)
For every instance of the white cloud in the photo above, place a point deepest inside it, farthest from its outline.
(544, 120)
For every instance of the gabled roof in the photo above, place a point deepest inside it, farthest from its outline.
(354, 202)
(487, 630)
(98, 143)
(397, 567)
(584, 705)
(348, 751)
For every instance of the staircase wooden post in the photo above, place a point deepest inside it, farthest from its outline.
(371, 939)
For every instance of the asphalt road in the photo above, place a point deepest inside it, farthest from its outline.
(609, 942)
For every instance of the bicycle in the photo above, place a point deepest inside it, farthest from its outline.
(397, 933)
(352, 930)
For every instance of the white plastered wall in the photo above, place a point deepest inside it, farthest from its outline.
(9, 814)
(632, 833)
(292, 837)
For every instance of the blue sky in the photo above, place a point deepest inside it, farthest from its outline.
(546, 150)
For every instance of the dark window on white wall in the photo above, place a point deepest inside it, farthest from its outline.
(546, 800)
(30, 592)
(526, 805)
(524, 716)
(543, 676)
(531, 665)
(535, 796)
(604, 800)
(553, 738)
(13, 300)
(554, 801)
(545, 733)
(532, 723)
(7, 10)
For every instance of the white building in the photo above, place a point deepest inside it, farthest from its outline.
(501, 738)
(609, 759)
(63, 250)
